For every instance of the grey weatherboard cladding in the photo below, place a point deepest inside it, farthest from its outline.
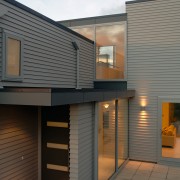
(49, 56)
(81, 141)
(153, 69)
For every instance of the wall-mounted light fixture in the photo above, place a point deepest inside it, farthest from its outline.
(143, 108)
(106, 106)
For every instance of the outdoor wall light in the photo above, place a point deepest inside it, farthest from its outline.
(106, 106)
(143, 108)
(75, 44)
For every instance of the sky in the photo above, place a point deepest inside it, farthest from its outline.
(72, 9)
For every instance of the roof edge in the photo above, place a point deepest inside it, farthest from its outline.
(137, 1)
(95, 17)
(45, 18)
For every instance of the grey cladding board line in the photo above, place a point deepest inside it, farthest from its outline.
(153, 69)
(49, 57)
(81, 141)
(18, 142)
(138, 1)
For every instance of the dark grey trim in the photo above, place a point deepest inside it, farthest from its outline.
(95, 20)
(35, 13)
(137, 1)
(60, 98)
(54, 97)
(119, 85)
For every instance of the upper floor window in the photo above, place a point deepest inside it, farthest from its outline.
(110, 49)
(86, 31)
(12, 57)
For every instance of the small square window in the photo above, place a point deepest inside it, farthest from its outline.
(12, 68)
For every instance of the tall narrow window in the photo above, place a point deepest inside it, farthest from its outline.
(110, 51)
(106, 140)
(13, 58)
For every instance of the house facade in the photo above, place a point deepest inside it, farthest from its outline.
(56, 122)
(80, 97)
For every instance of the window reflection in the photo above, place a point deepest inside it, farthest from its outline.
(106, 55)
(122, 131)
(106, 140)
(86, 31)
(110, 40)
(110, 49)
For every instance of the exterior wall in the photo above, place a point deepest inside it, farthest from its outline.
(49, 56)
(153, 69)
(0, 49)
(18, 142)
(81, 141)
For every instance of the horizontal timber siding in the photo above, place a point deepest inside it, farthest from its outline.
(49, 57)
(81, 142)
(153, 69)
(18, 142)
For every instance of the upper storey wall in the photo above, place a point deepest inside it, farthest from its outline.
(49, 58)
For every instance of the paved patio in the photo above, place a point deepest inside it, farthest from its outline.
(135, 170)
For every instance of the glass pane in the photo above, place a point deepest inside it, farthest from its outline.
(110, 46)
(171, 130)
(122, 131)
(13, 57)
(86, 31)
(106, 140)
(106, 55)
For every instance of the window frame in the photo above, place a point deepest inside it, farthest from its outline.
(125, 47)
(5, 76)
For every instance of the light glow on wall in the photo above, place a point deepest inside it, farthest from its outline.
(143, 115)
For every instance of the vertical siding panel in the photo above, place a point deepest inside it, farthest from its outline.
(18, 142)
(153, 68)
(81, 142)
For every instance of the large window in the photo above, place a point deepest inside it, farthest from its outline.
(110, 49)
(110, 40)
(170, 130)
(122, 131)
(12, 58)
(86, 31)
(112, 136)
(106, 140)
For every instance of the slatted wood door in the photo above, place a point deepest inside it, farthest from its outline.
(55, 143)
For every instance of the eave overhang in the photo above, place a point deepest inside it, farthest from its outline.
(55, 97)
